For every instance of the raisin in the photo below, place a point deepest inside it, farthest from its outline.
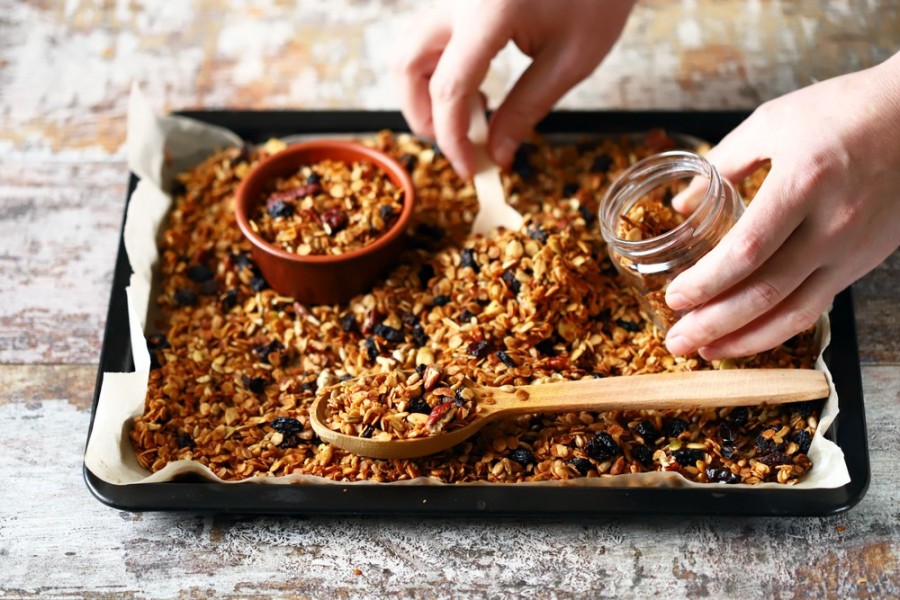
(522, 456)
(465, 315)
(807, 408)
(157, 341)
(601, 163)
(241, 260)
(522, 162)
(344, 378)
(258, 283)
(420, 369)
(545, 347)
(371, 349)
(506, 360)
(739, 415)
(538, 234)
(509, 278)
(582, 465)
(208, 288)
(586, 213)
(386, 212)
(647, 431)
(409, 318)
(479, 349)
(426, 272)
(199, 273)
(229, 299)
(688, 457)
(467, 259)
(279, 209)
(244, 153)
(184, 440)
(570, 188)
(429, 232)
(263, 351)
(348, 323)
(773, 459)
(441, 300)
(310, 387)
(334, 220)
(409, 162)
(597, 375)
(768, 446)
(643, 454)
(178, 189)
(185, 297)
(367, 432)
(726, 433)
(675, 427)
(286, 425)
(458, 399)
(395, 336)
(728, 451)
(721, 475)
(602, 446)
(803, 440)
(257, 385)
(419, 335)
(628, 325)
(313, 179)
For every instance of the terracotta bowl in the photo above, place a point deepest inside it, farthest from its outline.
(323, 279)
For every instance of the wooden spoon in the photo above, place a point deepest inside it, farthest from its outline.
(663, 391)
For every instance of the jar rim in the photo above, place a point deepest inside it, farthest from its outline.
(665, 167)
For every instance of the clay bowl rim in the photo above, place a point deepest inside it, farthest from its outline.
(338, 148)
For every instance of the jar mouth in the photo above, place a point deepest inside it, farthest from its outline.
(642, 178)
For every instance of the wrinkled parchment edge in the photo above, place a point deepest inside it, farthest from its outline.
(161, 146)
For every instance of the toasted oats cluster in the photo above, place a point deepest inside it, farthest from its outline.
(236, 365)
(399, 404)
(330, 207)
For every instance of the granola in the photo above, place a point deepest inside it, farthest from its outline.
(236, 366)
(330, 207)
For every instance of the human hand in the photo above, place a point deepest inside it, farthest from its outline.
(440, 65)
(827, 213)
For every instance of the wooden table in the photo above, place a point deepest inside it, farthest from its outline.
(65, 71)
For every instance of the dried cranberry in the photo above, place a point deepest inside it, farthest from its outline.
(803, 440)
(334, 220)
(721, 475)
(688, 457)
(185, 297)
(479, 349)
(628, 325)
(522, 456)
(647, 431)
(601, 163)
(467, 259)
(506, 359)
(509, 278)
(643, 454)
(582, 465)
(675, 427)
(441, 300)
(157, 341)
(602, 446)
(199, 273)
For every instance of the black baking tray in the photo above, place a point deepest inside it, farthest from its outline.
(848, 431)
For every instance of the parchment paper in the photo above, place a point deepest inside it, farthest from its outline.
(159, 147)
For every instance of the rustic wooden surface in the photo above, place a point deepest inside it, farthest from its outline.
(65, 69)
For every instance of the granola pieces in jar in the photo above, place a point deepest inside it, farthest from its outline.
(329, 207)
(237, 366)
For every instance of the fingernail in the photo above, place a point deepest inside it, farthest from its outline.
(677, 301)
(678, 345)
(710, 353)
(504, 150)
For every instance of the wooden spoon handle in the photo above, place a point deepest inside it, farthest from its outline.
(690, 390)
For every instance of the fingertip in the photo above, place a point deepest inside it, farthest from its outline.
(678, 345)
(677, 301)
(503, 150)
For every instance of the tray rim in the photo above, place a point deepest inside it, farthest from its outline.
(848, 431)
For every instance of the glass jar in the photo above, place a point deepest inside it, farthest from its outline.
(648, 241)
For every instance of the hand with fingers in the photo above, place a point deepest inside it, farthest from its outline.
(440, 65)
(827, 213)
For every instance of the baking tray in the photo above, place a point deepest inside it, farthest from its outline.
(848, 430)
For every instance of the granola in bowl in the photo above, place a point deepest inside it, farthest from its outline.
(237, 365)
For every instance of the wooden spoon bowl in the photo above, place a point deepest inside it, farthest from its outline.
(662, 391)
